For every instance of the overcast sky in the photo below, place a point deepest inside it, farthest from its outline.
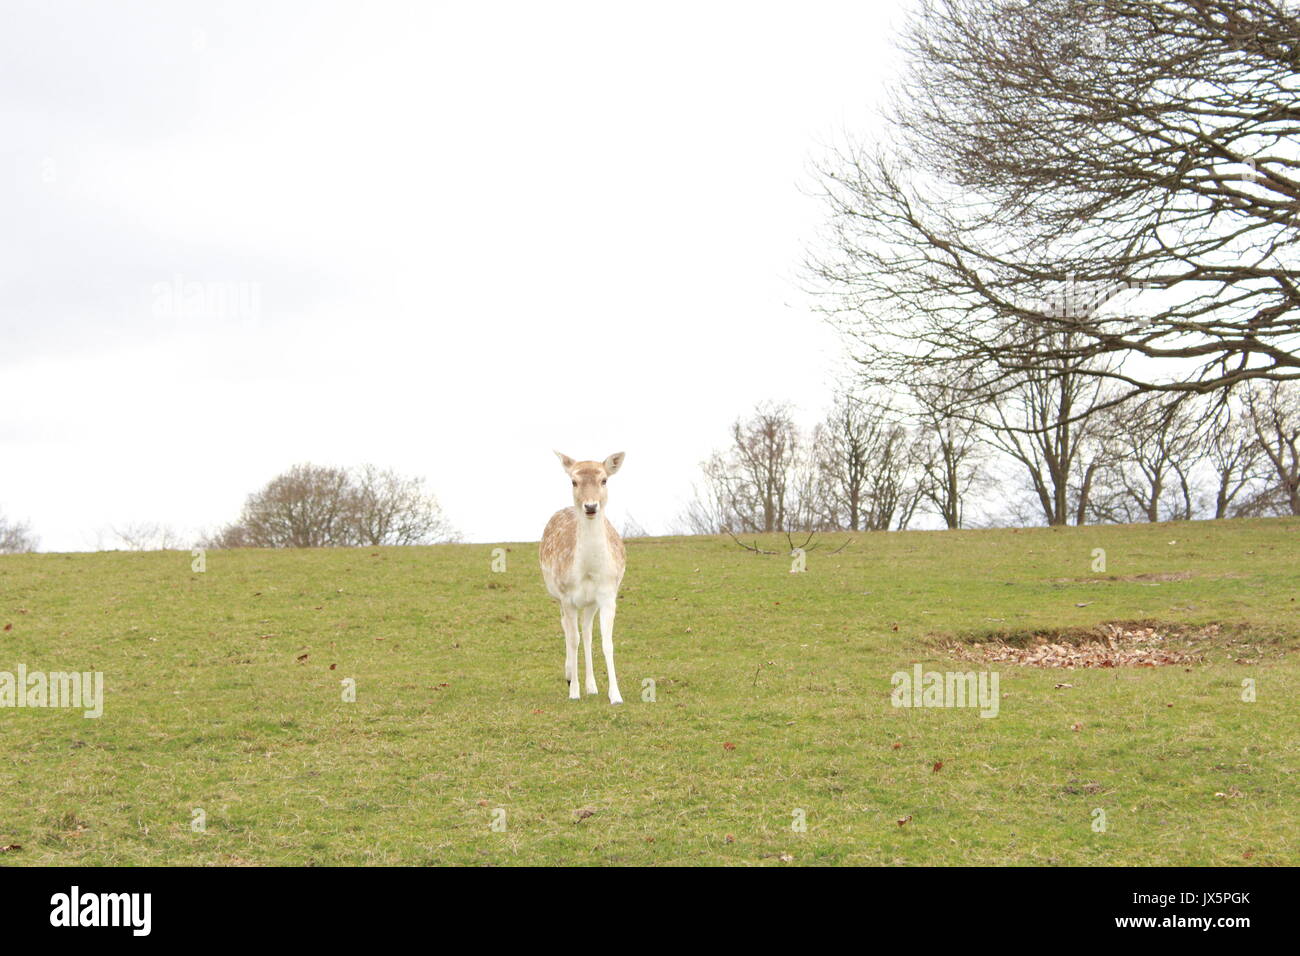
(444, 238)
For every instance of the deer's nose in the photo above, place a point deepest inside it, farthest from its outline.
(590, 508)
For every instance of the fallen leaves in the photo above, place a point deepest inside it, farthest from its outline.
(903, 820)
(728, 746)
(938, 765)
(1116, 646)
(10, 847)
(583, 813)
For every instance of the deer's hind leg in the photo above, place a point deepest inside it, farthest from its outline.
(607, 644)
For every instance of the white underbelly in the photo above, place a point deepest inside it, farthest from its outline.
(584, 590)
(585, 593)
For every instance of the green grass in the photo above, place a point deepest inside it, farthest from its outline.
(461, 708)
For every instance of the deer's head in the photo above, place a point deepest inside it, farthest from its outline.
(589, 478)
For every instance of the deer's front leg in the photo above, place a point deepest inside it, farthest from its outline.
(588, 622)
(569, 620)
(607, 645)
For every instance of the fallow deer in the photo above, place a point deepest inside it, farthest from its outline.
(582, 560)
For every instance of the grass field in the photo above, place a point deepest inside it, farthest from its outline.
(772, 695)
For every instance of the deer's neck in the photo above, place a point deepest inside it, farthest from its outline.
(592, 551)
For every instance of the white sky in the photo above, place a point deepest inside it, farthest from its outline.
(456, 236)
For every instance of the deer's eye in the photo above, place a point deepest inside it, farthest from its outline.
(603, 480)
(575, 484)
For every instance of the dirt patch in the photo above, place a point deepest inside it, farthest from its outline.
(1115, 644)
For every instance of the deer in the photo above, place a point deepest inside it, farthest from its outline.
(583, 560)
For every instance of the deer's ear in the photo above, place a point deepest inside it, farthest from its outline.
(566, 461)
(613, 463)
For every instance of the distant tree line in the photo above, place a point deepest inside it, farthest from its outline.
(1053, 452)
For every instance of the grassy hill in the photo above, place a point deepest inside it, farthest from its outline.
(771, 703)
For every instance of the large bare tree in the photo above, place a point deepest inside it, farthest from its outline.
(311, 506)
(1079, 179)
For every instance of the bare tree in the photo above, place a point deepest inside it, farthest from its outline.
(747, 486)
(1232, 454)
(16, 537)
(1273, 411)
(1156, 448)
(707, 510)
(949, 449)
(857, 470)
(145, 536)
(812, 491)
(1119, 170)
(310, 506)
(868, 469)
(633, 528)
(389, 509)
(766, 447)
(893, 487)
(1047, 424)
(233, 535)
